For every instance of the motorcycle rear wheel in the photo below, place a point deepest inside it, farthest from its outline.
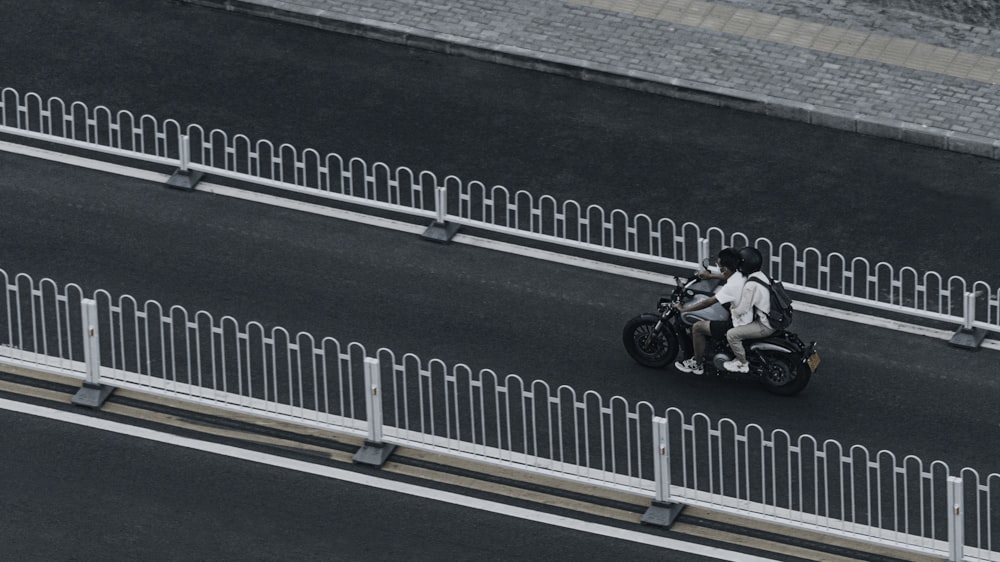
(647, 347)
(783, 375)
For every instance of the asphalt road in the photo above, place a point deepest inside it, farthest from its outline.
(883, 200)
(786, 181)
(70, 492)
(876, 387)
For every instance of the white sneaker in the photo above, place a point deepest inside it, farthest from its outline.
(736, 366)
(689, 366)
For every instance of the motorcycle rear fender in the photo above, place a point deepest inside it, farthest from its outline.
(777, 343)
(781, 345)
(767, 346)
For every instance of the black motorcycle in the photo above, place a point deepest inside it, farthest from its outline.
(781, 361)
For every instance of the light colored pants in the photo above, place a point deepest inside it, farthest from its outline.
(736, 335)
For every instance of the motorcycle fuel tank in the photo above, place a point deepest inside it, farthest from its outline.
(714, 312)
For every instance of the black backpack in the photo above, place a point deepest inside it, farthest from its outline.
(780, 315)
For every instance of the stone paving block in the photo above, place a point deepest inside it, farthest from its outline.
(722, 11)
(750, 105)
(805, 35)
(849, 42)
(873, 47)
(647, 11)
(989, 64)
(924, 135)
(692, 19)
(744, 15)
(698, 7)
(854, 37)
(737, 25)
(963, 63)
(783, 30)
(714, 22)
(897, 51)
(969, 144)
(827, 39)
(761, 26)
(981, 75)
(879, 126)
(802, 39)
(920, 56)
(627, 6)
(811, 28)
(940, 60)
(834, 118)
(786, 109)
(671, 13)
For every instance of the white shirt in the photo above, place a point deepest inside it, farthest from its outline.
(730, 292)
(755, 297)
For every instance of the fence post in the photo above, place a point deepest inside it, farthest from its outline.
(662, 511)
(440, 230)
(703, 249)
(374, 451)
(92, 394)
(956, 519)
(184, 178)
(968, 336)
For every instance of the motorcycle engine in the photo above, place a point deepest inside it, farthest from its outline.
(719, 358)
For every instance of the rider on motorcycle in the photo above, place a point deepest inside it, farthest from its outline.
(780, 361)
(729, 293)
(749, 314)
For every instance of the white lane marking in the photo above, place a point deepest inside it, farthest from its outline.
(82, 162)
(380, 483)
(478, 242)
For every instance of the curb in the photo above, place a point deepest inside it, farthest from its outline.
(676, 88)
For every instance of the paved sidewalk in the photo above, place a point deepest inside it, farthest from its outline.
(887, 73)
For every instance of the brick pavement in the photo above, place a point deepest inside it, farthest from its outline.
(887, 73)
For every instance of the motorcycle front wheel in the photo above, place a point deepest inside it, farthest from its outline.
(647, 347)
(782, 374)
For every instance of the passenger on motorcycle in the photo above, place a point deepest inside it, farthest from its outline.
(749, 314)
(728, 294)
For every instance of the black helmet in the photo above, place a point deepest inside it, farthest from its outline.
(750, 260)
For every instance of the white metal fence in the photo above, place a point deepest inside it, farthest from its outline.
(666, 456)
(880, 286)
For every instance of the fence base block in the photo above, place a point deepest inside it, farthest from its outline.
(661, 514)
(185, 179)
(374, 454)
(441, 232)
(92, 395)
(968, 338)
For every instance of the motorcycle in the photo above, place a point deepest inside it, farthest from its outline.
(780, 361)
